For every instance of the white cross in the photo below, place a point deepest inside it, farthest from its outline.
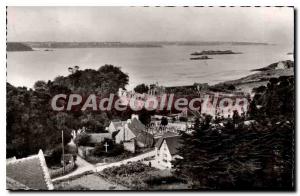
(106, 145)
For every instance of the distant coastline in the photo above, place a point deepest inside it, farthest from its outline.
(15, 46)
(127, 44)
(261, 77)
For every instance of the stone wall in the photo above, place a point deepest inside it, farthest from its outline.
(84, 151)
(59, 172)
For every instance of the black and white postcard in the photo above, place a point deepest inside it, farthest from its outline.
(150, 98)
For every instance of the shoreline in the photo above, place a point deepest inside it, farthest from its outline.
(261, 76)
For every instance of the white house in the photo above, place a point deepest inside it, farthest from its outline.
(166, 150)
(97, 138)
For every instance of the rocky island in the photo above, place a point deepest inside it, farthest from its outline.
(200, 58)
(214, 52)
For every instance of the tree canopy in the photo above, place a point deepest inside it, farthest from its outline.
(141, 88)
(259, 156)
(33, 125)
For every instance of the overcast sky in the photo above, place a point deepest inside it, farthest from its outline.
(273, 25)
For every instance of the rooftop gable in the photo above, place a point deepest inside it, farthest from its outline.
(172, 142)
(161, 139)
(138, 129)
(31, 172)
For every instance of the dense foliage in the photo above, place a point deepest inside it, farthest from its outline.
(113, 149)
(132, 175)
(139, 176)
(248, 157)
(130, 168)
(33, 125)
(141, 88)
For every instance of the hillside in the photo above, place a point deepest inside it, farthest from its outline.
(261, 77)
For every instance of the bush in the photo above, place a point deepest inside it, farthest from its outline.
(158, 180)
(231, 87)
(82, 139)
(112, 149)
(183, 119)
(130, 168)
(55, 158)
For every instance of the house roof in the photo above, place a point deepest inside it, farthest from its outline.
(161, 139)
(173, 143)
(117, 123)
(138, 129)
(12, 184)
(31, 172)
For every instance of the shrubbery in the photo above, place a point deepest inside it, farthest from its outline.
(112, 149)
(160, 177)
(54, 159)
(82, 139)
(130, 168)
(255, 157)
(139, 176)
(33, 125)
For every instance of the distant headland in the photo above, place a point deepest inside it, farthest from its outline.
(15, 46)
(142, 44)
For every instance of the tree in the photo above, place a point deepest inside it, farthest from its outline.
(260, 89)
(40, 85)
(255, 157)
(248, 158)
(145, 116)
(277, 99)
(141, 88)
(31, 122)
(183, 119)
(164, 121)
(231, 87)
(112, 148)
(236, 117)
(82, 139)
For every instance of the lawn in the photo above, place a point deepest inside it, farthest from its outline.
(111, 159)
(108, 159)
(88, 182)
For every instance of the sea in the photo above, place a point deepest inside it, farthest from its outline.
(167, 65)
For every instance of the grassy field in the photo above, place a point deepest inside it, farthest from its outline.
(88, 182)
(138, 176)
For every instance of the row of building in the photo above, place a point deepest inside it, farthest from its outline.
(31, 173)
(134, 135)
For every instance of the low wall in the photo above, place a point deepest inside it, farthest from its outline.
(59, 172)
